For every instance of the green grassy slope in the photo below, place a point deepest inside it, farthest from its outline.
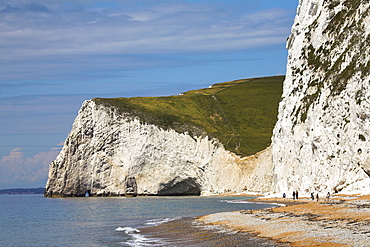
(241, 114)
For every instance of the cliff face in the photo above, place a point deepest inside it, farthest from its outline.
(321, 139)
(106, 148)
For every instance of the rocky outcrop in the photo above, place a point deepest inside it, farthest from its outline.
(107, 148)
(131, 186)
(321, 139)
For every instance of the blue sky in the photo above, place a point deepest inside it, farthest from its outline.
(56, 54)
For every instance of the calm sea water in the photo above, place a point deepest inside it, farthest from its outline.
(32, 220)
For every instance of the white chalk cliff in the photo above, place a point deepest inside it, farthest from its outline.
(321, 140)
(106, 147)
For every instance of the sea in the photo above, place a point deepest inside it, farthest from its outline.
(33, 220)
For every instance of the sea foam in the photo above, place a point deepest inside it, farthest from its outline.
(156, 222)
(128, 230)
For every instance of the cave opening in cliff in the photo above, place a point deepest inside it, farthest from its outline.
(87, 193)
(180, 187)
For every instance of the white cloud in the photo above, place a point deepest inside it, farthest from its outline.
(162, 10)
(19, 171)
(159, 27)
(271, 16)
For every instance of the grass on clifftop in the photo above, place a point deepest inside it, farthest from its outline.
(240, 114)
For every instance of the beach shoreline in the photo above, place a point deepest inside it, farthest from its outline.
(189, 231)
(340, 221)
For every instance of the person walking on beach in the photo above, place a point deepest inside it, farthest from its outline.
(317, 197)
(328, 196)
(284, 195)
(312, 196)
(293, 195)
(296, 194)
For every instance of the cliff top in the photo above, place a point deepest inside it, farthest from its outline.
(241, 114)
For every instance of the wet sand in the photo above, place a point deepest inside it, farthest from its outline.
(341, 221)
(189, 232)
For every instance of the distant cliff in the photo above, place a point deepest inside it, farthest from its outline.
(179, 145)
(23, 191)
(321, 139)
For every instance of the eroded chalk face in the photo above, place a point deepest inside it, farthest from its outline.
(320, 139)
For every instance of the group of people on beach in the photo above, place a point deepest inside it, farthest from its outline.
(317, 196)
(313, 197)
(295, 196)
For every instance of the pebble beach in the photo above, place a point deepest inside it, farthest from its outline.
(340, 221)
(194, 233)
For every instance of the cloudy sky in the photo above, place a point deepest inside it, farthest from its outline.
(54, 54)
